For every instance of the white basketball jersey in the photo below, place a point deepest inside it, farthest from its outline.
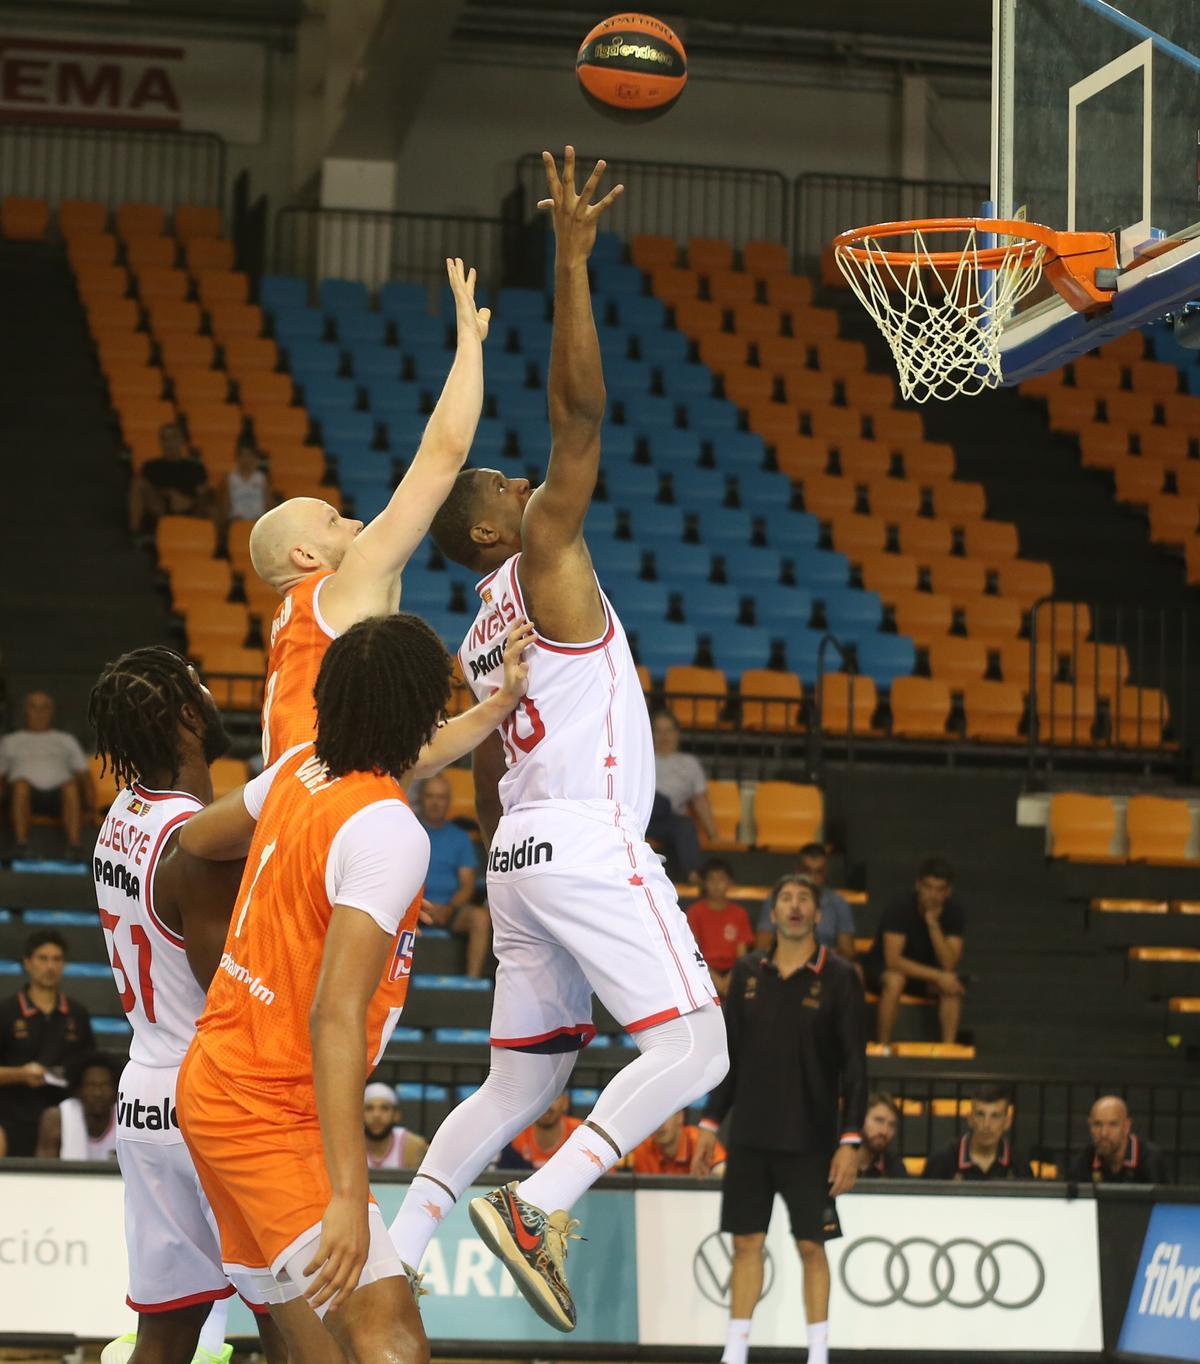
(156, 987)
(582, 732)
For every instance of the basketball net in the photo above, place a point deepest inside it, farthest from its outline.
(943, 322)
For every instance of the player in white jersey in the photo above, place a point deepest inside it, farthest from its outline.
(579, 901)
(163, 915)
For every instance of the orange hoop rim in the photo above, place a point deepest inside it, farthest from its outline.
(1054, 243)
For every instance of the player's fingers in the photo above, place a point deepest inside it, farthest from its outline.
(484, 315)
(551, 177)
(569, 168)
(471, 281)
(607, 202)
(585, 194)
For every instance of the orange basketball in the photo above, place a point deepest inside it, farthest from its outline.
(632, 68)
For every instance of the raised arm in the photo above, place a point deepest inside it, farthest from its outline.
(199, 896)
(365, 583)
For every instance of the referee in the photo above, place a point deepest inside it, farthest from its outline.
(797, 1085)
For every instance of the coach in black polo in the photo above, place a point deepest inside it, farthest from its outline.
(797, 1085)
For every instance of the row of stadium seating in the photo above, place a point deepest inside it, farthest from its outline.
(1156, 830)
(23, 218)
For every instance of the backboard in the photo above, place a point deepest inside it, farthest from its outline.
(1096, 126)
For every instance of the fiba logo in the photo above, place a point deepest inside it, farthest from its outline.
(712, 1269)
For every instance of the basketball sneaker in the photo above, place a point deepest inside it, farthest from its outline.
(118, 1351)
(533, 1247)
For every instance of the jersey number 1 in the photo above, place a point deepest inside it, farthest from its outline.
(141, 943)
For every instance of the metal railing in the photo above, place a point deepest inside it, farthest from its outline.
(1109, 678)
(374, 247)
(114, 166)
(738, 203)
(825, 204)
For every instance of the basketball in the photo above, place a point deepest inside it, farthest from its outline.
(631, 68)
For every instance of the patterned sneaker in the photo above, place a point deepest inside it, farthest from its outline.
(533, 1247)
(415, 1283)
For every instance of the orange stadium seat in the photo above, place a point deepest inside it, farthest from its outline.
(927, 460)
(748, 385)
(787, 815)
(837, 692)
(186, 350)
(807, 389)
(766, 258)
(1067, 623)
(208, 253)
(245, 669)
(958, 502)
(167, 315)
(709, 254)
(674, 285)
(827, 496)
(92, 248)
(1070, 409)
(1160, 831)
(993, 619)
(958, 579)
(101, 281)
(262, 600)
(1138, 480)
(994, 711)
(103, 781)
(238, 547)
(195, 385)
(1102, 446)
(1181, 409)
(856, 535)
(222, 286)
(799, 457)
(227, 775)
(1128, 347)
(111, 313)
(896, 499)
(194, 221)
(725, 801)
(24, 219)
(123, 348)
(260, 388)
(1083, 828)
(144, 415)
(1133, 410)
(1154, 376)
(792, 293)
(835, 423)
(1026, 580)
(1097, 373)
(922, 616)
(770, 701)
(722, 352)
(201, 579)
(298, 463)
(757, 320)
(992, 543)
(184, 537)
(1066, 714)
(920, 707)
(140, 220)
(697, 316)
(77, 216)
(1187, 479)
(218, 455)
(650, 251)
(302, 488)
(235, 321)
(1042, 385)
(159, 282)
(148, 253)
(869, 392)
(841, 358)
(1017, 660)
(897, 426)
(280, 423)
(773, 421)
(462, 792)
(1139, 717)
(864, 460)
(213, 420)
(1103, 667)
(216, 623)
(250, 354)
(957, 661)
(923, 536)
(695, 696)
(888, 574)
(814, 324)
(134, 381)
(731, 287)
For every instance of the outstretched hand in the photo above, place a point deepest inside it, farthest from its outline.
(573, 214)
(471, 320)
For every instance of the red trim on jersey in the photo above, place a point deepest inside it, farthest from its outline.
(144, 793)
(651, 1019)
(175, 939)
(584, 1030)
(554, 648)
(260, 1309)
(687, 984)
(192, 1300)
(483, 582)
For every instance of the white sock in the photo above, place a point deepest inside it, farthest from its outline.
(737, 1341)
(818, 1342)
(681, 1059)
(212, 1333)
(519, 1086)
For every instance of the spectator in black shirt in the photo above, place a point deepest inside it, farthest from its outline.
(43, 1034)
(984, 1151)
(797, 1086)
(918, 948)
(876, 1158)
(1116, 1154)
(176, 484)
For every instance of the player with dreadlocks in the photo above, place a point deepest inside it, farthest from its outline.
(311, 983)
(158, 729)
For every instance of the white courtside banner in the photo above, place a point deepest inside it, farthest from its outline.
(915, 1273)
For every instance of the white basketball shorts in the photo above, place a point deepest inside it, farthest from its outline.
(579, 904)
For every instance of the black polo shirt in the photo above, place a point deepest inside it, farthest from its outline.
(886, 1165)
(903, 915)
(954, 1162)
(1143, 1164)
(186, 476)
(797, 1077)
(59, 1039)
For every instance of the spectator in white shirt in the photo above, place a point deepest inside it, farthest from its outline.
(681, 791)
(244, 494)
(46, 772)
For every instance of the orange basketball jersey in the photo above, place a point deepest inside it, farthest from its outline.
(299, 638)
(254, 1028)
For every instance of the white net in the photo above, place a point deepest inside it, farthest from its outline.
(943, 324)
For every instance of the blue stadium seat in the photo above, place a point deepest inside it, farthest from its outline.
(423, 589)
(615, 558)
(686, 382)
(614, 347)
(632, 594)
(385, 397)
(342, 295)
(738, 647)
(628, 485)
(401, 300)
(402, 1036)
(886, 657)
(611, 279)
(1191, 379)
(685, 565)
(119, 1027)
(801, 650)
(627, 378)
(652, 523)
(782, 610)
(853, 613)
(725, 530)
(601, 520)
(369, 496)
(663, 347)
(610, 246)
(532, 437)
(282, 291)
(532, 337)
(790, 532)
(617, 444)
(711, 415)
(403, 431)
(702, 490)
(641, 313)
(761, 491)
(713, 608)
(677, 452)
(487, 448)
(738, 449)
(503, 369)
(753, 565)
(667, 644)
(327, 393)
(370, 362)
(356, 460)
(517, 405)
(521, 305)
(820, 569)
(419, 334)
(298, 324)
(649, 412)
(356, 427)
(355, 327)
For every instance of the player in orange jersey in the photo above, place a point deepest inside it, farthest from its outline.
(333, 571)
(311, 983)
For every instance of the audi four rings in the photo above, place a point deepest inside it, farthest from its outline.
(938, 1263)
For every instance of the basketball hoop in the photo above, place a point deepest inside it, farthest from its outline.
(943, 312)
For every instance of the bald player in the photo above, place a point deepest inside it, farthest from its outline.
(333, 571)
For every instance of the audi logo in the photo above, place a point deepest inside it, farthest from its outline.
(919, 1272)
(712, 1269)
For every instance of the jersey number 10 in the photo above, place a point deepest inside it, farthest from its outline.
(511, 735)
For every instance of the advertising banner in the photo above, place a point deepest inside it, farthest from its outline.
(910, 1273)
(76, 76)
(1163, 1315)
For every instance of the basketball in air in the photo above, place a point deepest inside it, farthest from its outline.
(631, 68)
